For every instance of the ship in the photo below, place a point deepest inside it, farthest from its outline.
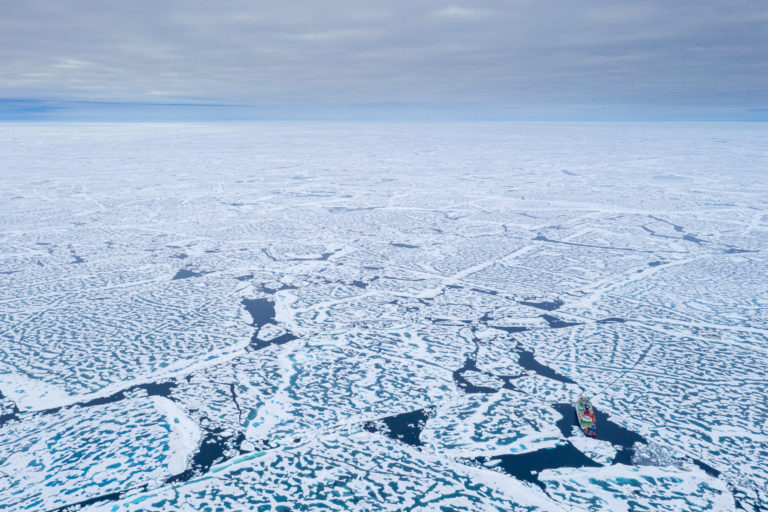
(586, 415)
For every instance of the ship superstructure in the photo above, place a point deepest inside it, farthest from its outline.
(586, 415)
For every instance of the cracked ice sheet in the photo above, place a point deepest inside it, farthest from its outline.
(491, 424)
(207, 395)
(718, 291)
(62, 458)
(420, 226)
(81, 351)
(356, 470)
(333, 380)
(652, 382)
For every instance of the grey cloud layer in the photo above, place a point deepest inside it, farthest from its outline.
(515, 54)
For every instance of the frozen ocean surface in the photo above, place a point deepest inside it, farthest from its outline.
(295, 316)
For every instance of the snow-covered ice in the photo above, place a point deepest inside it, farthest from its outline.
(383, 316)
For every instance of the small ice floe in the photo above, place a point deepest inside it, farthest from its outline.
(268, 332)
(482, 379)
(601, 452)
(183, 436)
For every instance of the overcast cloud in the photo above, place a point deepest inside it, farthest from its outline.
(348, 59)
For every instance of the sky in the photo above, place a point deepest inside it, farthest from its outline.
(389, 59)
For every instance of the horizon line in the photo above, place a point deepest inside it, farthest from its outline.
(82, 110)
